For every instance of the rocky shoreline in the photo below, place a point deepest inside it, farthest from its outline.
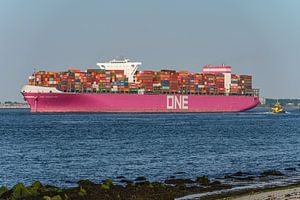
(141, 188)
(138, 189)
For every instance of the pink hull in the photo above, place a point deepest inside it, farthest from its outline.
(68, 102)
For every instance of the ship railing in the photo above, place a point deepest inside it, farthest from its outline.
(254, 92)
(157, 93)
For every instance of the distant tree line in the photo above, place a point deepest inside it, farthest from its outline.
(10, 102)
(283, 102)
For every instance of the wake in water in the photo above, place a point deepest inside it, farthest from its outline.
(264, 112)
(271, 113)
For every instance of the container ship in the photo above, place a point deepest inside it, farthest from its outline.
(119, 86)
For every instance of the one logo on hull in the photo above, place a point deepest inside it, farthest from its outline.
(177, 102)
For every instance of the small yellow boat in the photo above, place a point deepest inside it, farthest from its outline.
(277, 108)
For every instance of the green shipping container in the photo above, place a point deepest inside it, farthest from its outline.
(165, 87)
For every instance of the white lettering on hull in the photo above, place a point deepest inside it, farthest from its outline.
(177, 102)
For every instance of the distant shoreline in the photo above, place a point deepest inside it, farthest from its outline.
(17, 105)
(269, 106)
(14, 105)
(23, 106)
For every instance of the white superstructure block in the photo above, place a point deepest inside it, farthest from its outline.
(227, 82)
(129, 67)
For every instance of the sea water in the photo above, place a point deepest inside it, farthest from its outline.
(62, 148)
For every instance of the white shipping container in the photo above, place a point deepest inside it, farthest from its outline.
(114, 89)
(157, 85)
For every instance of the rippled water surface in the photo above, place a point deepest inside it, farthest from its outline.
(58, 148)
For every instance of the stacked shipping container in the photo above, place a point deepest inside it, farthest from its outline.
(246, 84)
(234, 87)
(145, 80)
(169, 81)
(164, 81)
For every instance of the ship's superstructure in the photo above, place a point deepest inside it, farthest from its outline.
(129, 67)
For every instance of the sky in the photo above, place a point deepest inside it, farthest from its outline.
(257, 37)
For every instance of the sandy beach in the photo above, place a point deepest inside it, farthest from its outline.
(282, 194)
